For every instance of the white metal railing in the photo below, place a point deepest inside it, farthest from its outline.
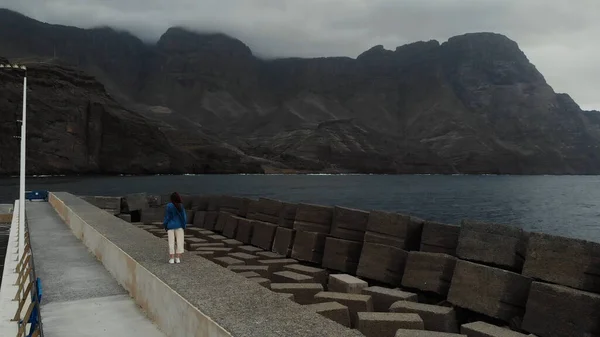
(19, 285)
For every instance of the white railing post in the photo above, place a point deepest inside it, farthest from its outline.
(22, 169)
(21, 232)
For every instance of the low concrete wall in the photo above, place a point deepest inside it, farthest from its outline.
(8, 289)
(195, 298)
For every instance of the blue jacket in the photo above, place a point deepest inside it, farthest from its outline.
(174, 218)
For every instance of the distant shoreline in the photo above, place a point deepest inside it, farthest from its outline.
(108, 175)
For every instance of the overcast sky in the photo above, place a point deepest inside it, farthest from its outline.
(562, 38)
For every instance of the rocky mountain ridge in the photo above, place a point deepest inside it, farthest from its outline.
(473, 104)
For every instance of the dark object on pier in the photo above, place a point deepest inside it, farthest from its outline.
(36, 195)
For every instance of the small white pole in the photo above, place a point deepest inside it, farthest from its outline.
(22, 173)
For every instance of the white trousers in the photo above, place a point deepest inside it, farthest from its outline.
(175, 235)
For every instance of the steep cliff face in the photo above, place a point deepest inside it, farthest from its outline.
(75, 127)
(473, 104)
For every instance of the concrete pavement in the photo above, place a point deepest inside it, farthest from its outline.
(80, 297)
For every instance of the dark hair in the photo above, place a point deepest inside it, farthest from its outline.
(176, 200)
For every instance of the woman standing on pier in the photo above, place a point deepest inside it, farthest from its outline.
(175, 223)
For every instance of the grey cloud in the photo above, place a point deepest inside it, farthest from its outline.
(558, 36)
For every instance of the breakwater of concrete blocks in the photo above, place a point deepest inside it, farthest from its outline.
(389, 274)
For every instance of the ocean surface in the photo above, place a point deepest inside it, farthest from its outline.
(562, 205)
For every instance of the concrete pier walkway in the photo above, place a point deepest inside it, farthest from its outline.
(80, 297)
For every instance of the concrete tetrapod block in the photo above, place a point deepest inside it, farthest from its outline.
(265, 282)
(112, 211)
(385, 324)
(341, 255)
(248, 249)
(264, 218)
(231, 202)
(190, 215)
(276, 265)
(125, 217)
(559, 311)
(423, 333)
(151, 215)
(227, 261)
(209, 255)
(316, 214)
(263, 271)
(231, 226)
(318, 274)
(288, 296)
(270, 206)
(191, 244)
(194, 231)
(284, 241)
(287, 215)
(497, 245)
(383, 298)
(103, 202)
(309, 246)
(393, 229)
(334, 311)
(569, 262)
(217, 251)
(490, 291)
(435, 317)
(313, 218)
(382, 263)
(249, 274)
(431, 272)
(304, 293)
(200, 202)
(193, 239)
(231, 243)
(195, 246)
(233, 211)
(263, 235)
(199, 219)
(349, 224)
(269, 255)
(186, 200)
(344, 283)
(439, 238)
(210, 220)
(266, 210)
(243, 209)
(135, 202)
(154, 201)
(205, 232)
(242, 205)
(222, 220)
(215, 238)
(244, 231)
(290, 277)
(355, 302)
(482, 329)
(249, 259)
(214, 202)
